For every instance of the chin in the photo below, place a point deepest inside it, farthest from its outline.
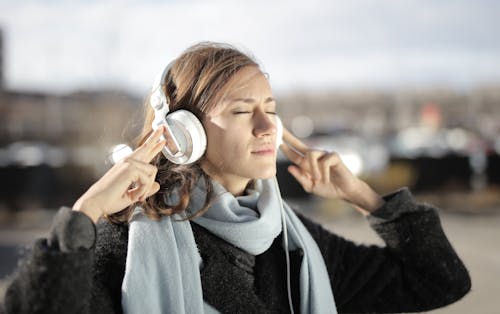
(266, 173)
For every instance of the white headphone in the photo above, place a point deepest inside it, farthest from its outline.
(188, 138)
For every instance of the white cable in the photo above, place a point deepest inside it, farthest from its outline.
(285, 241)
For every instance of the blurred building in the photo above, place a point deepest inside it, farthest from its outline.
(445, 138)
(53, 146)
(1, 60)
(58, 144)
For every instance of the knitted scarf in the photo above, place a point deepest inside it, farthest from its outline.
(162, 273)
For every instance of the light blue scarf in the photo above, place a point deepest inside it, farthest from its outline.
(162, 273)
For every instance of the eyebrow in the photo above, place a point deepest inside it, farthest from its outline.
(252, 100)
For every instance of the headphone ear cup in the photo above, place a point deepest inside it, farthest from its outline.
(190, 135)
(279, 132)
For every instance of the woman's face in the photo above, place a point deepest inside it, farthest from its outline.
(241, 132)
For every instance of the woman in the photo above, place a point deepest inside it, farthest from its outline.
(211, 236)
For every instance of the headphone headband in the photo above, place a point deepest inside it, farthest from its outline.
(158, 97)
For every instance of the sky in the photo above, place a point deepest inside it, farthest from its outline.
(63, 46)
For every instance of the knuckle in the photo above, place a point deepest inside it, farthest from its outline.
(322, 160)
(127, 160)
(312, 152)
(153, 170)
(126, 164)
(315, 154)
(311, 157)
(320, 153)
(333, 156)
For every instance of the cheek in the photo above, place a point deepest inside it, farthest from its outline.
(222, 131)
(224, 140)
(225, 146)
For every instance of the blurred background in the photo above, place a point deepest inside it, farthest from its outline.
(408, 92)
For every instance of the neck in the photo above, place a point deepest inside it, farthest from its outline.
(234, 184)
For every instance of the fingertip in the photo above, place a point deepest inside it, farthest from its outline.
(161, 143)
(158, 132)
(293, 170)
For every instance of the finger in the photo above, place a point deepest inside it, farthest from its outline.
(139, 192)
(155, 187)
(141, 181)
(131, 170)
(149, 169)
(156, 149)
(302, 177)
(292, 154)
(153, 190)
(325, 163)
(151, 147)
(289, 138)
(312, 158)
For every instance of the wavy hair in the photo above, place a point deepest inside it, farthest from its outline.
(196, 82)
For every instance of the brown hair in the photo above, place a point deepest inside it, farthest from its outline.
(195, 82)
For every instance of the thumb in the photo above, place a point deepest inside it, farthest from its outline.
(154, 189)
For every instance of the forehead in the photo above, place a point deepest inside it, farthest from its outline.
(249, 81)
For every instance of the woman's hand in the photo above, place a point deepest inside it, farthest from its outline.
(129, 180)
(324, 174)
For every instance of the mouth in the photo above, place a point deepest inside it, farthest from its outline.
(264, 151)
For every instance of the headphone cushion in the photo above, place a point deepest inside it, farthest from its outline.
(279, 132)
(190, 134)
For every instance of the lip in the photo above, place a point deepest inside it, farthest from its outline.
(266, 150)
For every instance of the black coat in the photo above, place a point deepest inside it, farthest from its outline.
(79, 268)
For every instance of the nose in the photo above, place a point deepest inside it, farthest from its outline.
(264, 124)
